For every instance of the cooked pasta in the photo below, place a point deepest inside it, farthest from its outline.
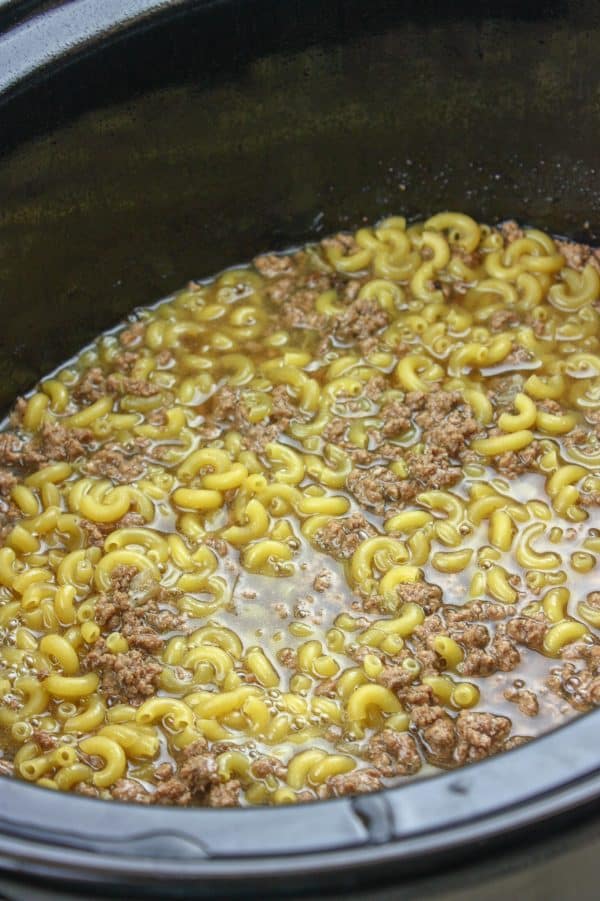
(269, 541)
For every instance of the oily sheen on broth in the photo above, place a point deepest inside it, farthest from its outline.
(318, 525)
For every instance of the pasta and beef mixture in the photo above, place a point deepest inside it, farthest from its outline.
(310, 528)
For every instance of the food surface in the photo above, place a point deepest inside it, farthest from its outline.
(313, 527)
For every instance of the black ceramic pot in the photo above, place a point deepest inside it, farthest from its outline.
(145, 142)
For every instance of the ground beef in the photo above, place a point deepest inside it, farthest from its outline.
(140, 609)
(362, 319)
(478, 663)
(132, 335)
(526, 701)
(273, 265)
(505, 653)
(130, 790)
(527, 631)
(217, 544)
(97, 532)
(430, 470)
(282, 406)
(578, 255)
(323, 580)
(46, 741)
(91, 386)
(515, 463)
(268, 766)
(11, 448)
(502, 319)
(7, 482)
(299, 311)
(343, 241)
(436, 730)
(396, 677)
(428, 596)
(376, 488)
(479, 735)
(53, 443)
(110, 462)
(119, 384)
(88, 791)
(136, 605)
(341, 536)
(355, 783)
(511, 231)
(394, 753)
(226, 794)
(396, 417)
(197, 781)
(125, 678)
(6, 768)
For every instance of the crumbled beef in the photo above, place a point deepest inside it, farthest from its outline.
(287, 657)
(579, 686)
(135, 606)
(46, 741)
(519, 354)
(429, 470)
(478, 663)
(273, 265)
(6, 767)
(110, 462)
(97, 532)
(526, 701)
(88, 791)
(91, 386)
(7, 482)
(195, 780)
(396, 677)
(130, 790)
(282, 406)
(360, 320)
(343, 241)
(396, 417)
(132, 334)
(376, 488)
(139, 609)
(515, 741)
(226, 794)
(436, 729)
(505, 653)
(300, 311)
(217, 544)
(125, 361)
(53, 443)
(11, 448)
(323, 580)
(511, 231)
(479, 735)
(355, 783)
(394, 753)
(258, 436)
(120, 384)
(340, 537)
(527, 631)
(268, 766)
(125, 678)
(577, 256)
(514, 463)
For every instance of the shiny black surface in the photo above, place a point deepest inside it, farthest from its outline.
(145, 142)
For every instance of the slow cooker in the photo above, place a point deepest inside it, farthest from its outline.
(146, 142)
